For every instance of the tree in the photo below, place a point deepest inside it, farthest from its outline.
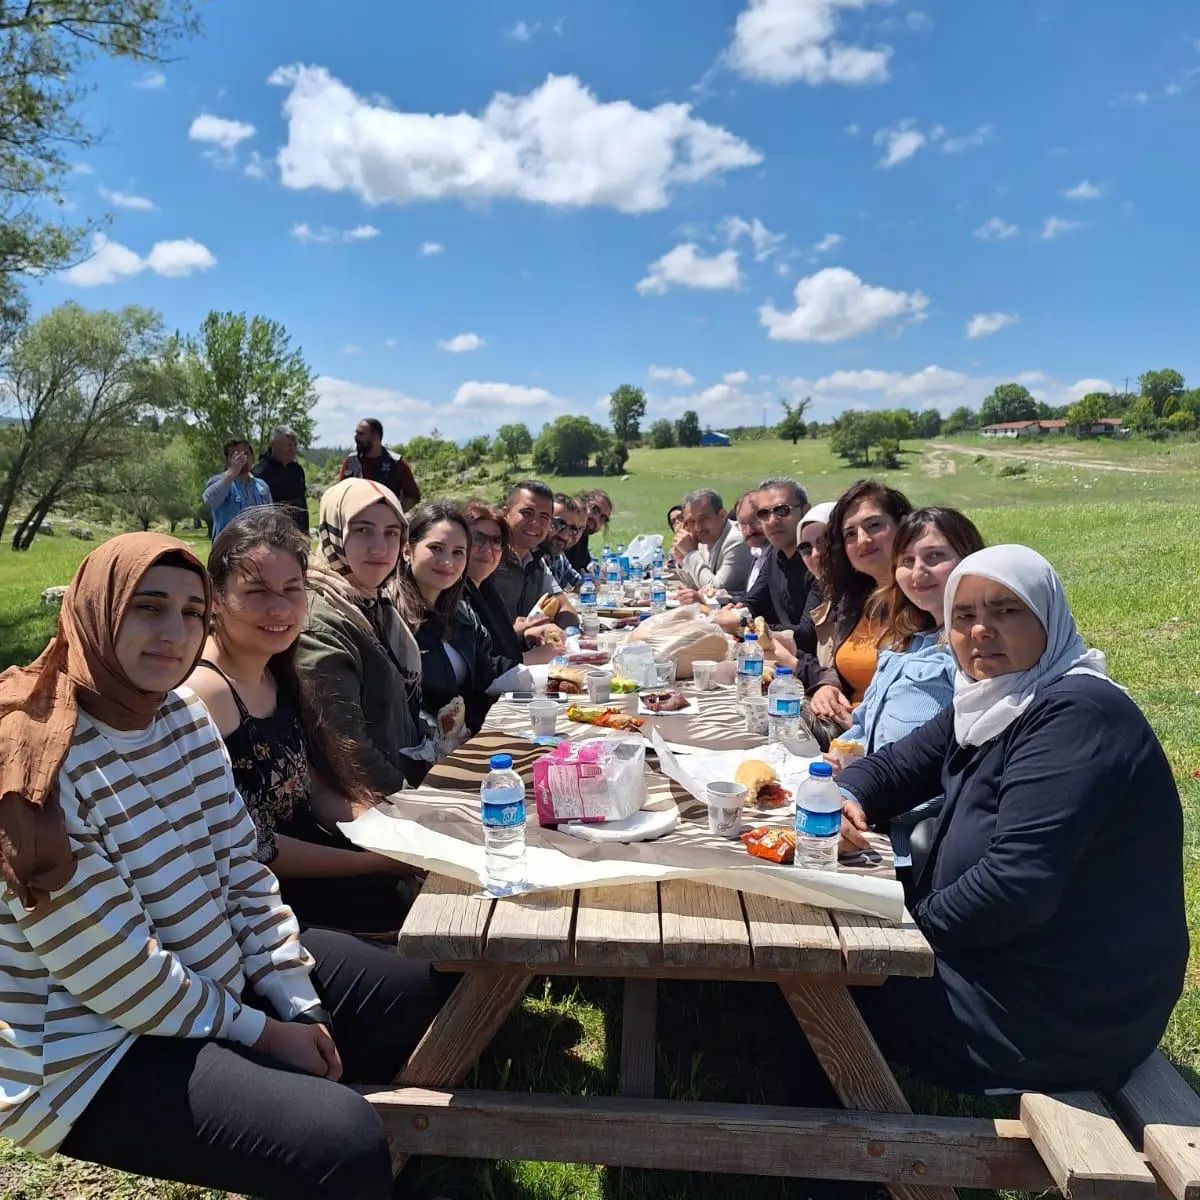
(662, 435)
(44, 48)
(242, 380)
(687, 429)
(1180, 421)
(928, 424)
(792, 428)
(566, 444)
(961, 419)
(612, 458)
(854, 433)
(1087, 411)
(1158, 386)
(512, 441)
(1008, 402)
(79, 382)
(626, 408)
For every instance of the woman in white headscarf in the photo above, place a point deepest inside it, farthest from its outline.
(1053, 891)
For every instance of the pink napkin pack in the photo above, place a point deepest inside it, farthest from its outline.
(600, 779)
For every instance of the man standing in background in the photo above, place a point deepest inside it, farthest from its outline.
(235, 488)
(280, 471)
(372, 460)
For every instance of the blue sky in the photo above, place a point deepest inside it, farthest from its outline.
(468, 213)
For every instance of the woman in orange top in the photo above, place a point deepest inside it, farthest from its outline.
(856, 555)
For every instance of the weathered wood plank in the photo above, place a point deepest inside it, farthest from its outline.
(446, 921)
(853, 1062)
(702, 926)
(531, 929)
(1159, 1107)
(904, 1151)
(639, 1038)
(791, 937)
(1083, 1147)
(618, 927)
(875, 947)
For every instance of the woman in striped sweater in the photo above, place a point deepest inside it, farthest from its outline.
(158, 1012)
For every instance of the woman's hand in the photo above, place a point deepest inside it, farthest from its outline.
(829, 703)
(854, 826)
(308, 1048)
(546, 635)
(525, 624)
(539, 655)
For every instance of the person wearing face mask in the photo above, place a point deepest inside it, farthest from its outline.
(1053, 891)
(292, 770)
(709, 549)
(355, 646)
(162, 1011)
(457, 655)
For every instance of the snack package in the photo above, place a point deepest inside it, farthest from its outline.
(772, 843)
(596, 780)
(846, 750)
(609, 718)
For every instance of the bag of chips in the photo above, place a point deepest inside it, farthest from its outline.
(771, 842)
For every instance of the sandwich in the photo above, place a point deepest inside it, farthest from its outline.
(565, 681)
(763, 789)
(549, 605)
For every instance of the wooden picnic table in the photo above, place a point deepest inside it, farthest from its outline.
(682, 930)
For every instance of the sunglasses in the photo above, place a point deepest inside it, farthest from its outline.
(781, 511)
(558, 525)
(481, 541)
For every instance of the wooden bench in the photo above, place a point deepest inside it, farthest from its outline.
(1161, 1111)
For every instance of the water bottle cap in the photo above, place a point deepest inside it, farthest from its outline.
(588, 579)
(782, 671)
(820, 770)
(571, 631)
(751, 637)
(500, 762)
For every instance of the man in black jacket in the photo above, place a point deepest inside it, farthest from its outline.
(280, 471)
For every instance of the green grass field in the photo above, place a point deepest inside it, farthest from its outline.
(1127, 543)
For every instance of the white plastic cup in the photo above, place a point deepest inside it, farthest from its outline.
(755, 708)
(543, 716)
(704, 672)
(598, 686)
(667, 669)
(589, 625)
(725, 800)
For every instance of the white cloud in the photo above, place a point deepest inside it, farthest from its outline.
(851, 130)
(220, 132)
(676, 375)
(489, 402)
(895, 386)
(152, 81)
(1131, 100)
(256, 168)
(829, 243)
(981, 136)
(1055, 227)
(110, 261)
(900, 142)
(736, 378)
(351, 348)
(303, 232)
(429, 249)
(523, 31)
(918, 21)
(555, 145)
(341, 404)
(1085, 189)
(463, 343)
(985, 324)
(390, 343)
(834, 305)
(686, 266)
(996, 229)
(764, 241)
(127, 200)
(82, 169)
(790, 41)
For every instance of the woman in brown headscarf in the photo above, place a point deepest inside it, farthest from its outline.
(134, 918)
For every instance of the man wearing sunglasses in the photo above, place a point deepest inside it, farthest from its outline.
(566, 528)
(523, 577)
(598, 509)
(710, 551)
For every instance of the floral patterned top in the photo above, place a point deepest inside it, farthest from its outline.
(270, 767)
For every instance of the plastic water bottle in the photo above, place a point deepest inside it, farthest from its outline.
(749, 668)
(783, 705)
(613, 588)
(818, 819)
(658, 593)
(502, 805)
(588, 599)
(656, 563)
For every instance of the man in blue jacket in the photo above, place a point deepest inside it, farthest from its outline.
(235, 489)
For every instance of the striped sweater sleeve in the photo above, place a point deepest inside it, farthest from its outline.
(94, 938)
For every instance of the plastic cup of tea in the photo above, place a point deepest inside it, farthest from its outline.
(755, 708)
(543, 716)
(725, 800)
(704, 672)
(598, 686)
(589, 625)
(667, 668)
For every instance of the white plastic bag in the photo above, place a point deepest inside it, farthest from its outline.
(640, 551)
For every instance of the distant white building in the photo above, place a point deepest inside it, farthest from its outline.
(1024, 429)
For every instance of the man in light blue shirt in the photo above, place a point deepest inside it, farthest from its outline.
(236, 488)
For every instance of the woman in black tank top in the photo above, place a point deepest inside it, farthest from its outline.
(295, 787)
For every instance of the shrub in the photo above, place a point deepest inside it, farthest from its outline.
(1010, 469)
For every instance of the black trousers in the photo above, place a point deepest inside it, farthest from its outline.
(219, 1115)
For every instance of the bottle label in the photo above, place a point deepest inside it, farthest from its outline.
(751, 666)
(786, 707)
(503, 816)
(817, 824)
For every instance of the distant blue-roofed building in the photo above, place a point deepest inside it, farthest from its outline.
(711, 438)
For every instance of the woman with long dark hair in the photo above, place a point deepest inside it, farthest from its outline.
(294, 771)
(458, 658)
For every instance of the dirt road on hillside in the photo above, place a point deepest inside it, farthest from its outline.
(1062, 456)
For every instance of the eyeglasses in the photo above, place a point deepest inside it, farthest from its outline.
(780, 511)
(558, 525)
(807, 548)
(481, 541)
